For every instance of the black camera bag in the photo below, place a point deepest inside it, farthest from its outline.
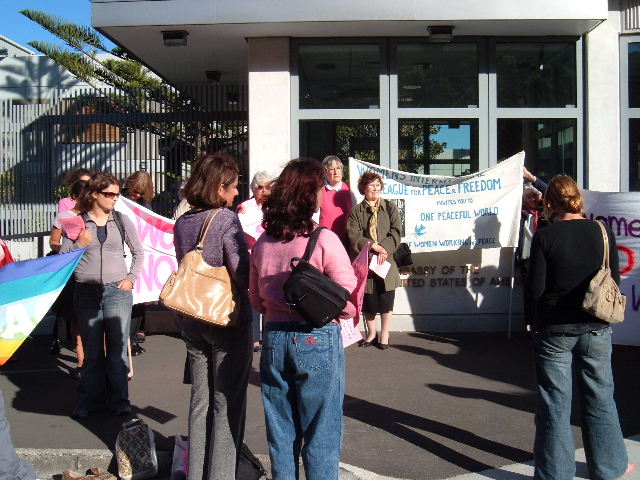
(311, 293)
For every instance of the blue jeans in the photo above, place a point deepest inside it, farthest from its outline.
(302, 373)
(554, 448)
(104, 315)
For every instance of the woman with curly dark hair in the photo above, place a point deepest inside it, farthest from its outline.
(302, 368)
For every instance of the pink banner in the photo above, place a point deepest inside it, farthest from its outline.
(156, 235)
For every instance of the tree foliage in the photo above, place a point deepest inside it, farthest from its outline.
(135, 88)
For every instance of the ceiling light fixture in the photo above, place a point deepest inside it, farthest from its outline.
(440, 33)
(175, 38)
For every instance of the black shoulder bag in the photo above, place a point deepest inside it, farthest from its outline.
(311, 293)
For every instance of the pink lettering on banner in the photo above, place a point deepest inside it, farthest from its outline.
(155, 235)
(155, 270)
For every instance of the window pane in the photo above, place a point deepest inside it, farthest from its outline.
(634, 155)
(634, 75)
(345, 138)
(536, 75)
(437, 75)
(339, 76)
(549, 144)
(438, 147)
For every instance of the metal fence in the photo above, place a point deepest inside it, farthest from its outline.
(111, 130)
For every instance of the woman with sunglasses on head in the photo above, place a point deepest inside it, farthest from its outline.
(103, 297)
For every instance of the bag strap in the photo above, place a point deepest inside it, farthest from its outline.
(205, 227)
(313, 239)
(605, 239)
(117, 217)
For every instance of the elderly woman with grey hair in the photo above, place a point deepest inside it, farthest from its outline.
(337, 200)
(250, 214)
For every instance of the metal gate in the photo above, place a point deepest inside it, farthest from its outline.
(115, 131)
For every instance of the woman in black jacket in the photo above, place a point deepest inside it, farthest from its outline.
(565, 256)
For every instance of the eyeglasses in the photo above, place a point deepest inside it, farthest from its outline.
(263, 187)
(110, 194)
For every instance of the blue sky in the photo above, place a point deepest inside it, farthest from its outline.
(20, 29)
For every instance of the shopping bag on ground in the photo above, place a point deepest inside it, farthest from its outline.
(180, 463)
(136, 451)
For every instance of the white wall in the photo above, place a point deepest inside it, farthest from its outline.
(269, 104)
(603, 105)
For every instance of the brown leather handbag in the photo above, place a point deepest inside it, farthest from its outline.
(603, 298)
(199, 290)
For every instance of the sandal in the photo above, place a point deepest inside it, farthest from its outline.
(96, 474)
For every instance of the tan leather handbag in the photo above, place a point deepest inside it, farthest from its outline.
(199, 290)
(603, 298)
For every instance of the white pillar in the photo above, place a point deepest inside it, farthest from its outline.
(269, 104)
(603, 105)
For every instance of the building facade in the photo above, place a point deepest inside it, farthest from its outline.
(429, 87)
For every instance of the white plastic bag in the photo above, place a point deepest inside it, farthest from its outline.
(180, 464)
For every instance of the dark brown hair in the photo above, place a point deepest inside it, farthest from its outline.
(564, 195)
(366, 178)
(97, 183)
(293, 200)
(74, 175)
(140, 182)
(208, 173)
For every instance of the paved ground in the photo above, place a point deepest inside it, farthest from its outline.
(433, 406)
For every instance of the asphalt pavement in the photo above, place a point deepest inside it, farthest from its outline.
(433, 406)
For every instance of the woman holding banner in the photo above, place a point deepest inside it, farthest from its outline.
(564, 257)
(102, 296)
(376, 220)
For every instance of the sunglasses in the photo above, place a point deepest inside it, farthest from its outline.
(111, 195)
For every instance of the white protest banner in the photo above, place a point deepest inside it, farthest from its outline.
(481, 210)
(620, 212)
(156, 235)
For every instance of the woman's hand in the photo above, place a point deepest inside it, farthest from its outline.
(125, 285)
(84, 238)
(382, 253)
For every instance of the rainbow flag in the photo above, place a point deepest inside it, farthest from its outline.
(27, 291)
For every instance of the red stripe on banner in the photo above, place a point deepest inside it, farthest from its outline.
(156, 222)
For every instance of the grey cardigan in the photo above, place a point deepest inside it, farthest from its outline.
(105, 263)
(389, 227)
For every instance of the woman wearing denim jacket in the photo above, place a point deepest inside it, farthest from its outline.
(219, 357)
(102, 297)
(565, 256)
(301, 368)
